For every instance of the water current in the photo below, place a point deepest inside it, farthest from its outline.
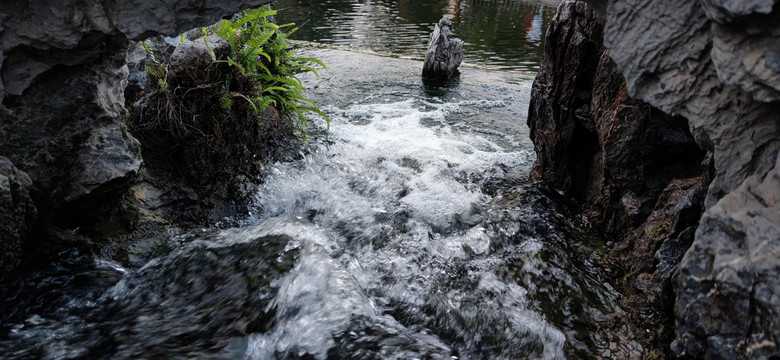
(409, 230)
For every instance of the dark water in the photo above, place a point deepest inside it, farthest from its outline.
(505, 34)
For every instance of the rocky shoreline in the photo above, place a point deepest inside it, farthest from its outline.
(74, 163)
(701, 288)
(658, 118)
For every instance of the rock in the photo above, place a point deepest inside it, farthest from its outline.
(17, 213)
(70, 33)
(635, 171)
(203, 170)
(193, 55)
(729, 287)
(138, 58)
(613, 154)
(677, 65)
(205, 297)
(68, 135)
(444, 54)
(196, 298)
(715, 62)
(62, 86)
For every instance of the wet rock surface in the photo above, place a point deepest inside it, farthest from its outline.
(205, 297)
(444, 53)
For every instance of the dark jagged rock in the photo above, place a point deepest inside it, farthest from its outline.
(634, 170)
(17, 213)
(715, 62)
(444, 54)
(203, 298)
(37, 36)
(62, 86)
(616, 155)
(729, 287)
(200, 163)
(67, 133)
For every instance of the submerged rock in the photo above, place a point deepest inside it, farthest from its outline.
(444, 54)
(200, 300)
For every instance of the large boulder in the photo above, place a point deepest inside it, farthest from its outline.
(635, 171)
(62, 86)
(38, 35)
(729, 290)
(68, 134)
(716, 63)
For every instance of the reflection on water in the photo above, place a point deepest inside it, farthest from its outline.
(506, 34)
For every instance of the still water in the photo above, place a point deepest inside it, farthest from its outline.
(504, 34)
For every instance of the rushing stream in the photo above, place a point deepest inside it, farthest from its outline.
(408, 231)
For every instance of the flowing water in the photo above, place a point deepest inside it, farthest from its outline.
(408, 231)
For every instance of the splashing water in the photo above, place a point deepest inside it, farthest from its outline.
(409, 232)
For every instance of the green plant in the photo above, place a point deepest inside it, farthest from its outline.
(266, 67)
(158, 69)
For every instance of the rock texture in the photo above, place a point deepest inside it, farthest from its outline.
(444, 54)
(202, 160)
(17, 213)
(39, 35)
(62, 83)
(635, 171)
(198, 301)
(716, 63)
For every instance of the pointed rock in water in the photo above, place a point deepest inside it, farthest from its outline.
(444, 54)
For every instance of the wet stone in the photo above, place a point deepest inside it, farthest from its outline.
(204, 298)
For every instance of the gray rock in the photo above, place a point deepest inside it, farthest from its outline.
(198, 298)
(17, 213)
(716, 63)
(51, 32)
(68, 135)
(62, 91)
(729, 289)
(191, 55)
(669, 63)
(444, 54)
(757, 69)
(634, 171)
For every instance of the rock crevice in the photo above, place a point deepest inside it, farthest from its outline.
(713, 66)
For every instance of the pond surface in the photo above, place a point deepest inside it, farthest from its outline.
(503, 34)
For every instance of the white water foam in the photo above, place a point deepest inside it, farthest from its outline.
(379, 213)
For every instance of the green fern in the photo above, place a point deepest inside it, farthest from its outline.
(158, 69)
(259, 51)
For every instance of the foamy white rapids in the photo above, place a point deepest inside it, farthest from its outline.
(380, 213)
